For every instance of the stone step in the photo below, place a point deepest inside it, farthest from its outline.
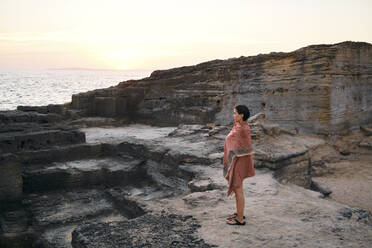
(64, 153)
(156, 143)
(16, 141)
(17, 116)
(94, 149)
(94, 122)
(23, 126)
(15, 231)
(55, 215)
(118, 170)
(138, 141)
(51, 108)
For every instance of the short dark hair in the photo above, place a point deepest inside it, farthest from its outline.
(242, 109)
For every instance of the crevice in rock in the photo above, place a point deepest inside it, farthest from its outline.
(128, 208)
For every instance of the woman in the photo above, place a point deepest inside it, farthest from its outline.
(238, 161)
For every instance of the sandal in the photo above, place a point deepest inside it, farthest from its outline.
(233, 216)
(236, 222)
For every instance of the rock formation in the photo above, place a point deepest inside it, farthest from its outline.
(318, 89)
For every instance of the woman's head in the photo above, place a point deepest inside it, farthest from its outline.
(241, 113)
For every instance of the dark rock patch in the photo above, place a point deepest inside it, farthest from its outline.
(150, 230)
(10, 179)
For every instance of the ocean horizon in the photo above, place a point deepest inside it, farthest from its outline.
(41, 87)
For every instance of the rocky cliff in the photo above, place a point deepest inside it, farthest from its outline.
(318, 89)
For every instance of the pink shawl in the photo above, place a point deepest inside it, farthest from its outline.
(238, 143)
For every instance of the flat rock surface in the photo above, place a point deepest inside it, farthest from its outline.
(119, 134)
(196, 141)
(285, 146)
(110, 164)
(277, 216)
(350, 181)
(53, 209)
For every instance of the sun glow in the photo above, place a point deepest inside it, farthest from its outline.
(159, 36)
(117, 57)
(123, 67)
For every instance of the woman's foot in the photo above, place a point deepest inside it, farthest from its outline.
(233, 216)
(235, 222)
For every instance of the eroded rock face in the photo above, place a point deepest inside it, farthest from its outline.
(10, 179)
(319, 89)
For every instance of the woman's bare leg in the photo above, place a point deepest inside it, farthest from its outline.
(240, 202)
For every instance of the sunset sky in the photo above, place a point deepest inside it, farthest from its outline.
(139, 34)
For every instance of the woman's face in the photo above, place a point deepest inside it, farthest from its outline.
(237, 117)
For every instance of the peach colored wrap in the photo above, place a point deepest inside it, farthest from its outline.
(238, 156)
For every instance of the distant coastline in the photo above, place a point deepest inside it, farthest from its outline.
(93, 69)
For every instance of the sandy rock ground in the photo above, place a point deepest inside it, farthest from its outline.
(185, 204)
(350, 181)
(281, 215)
(277, 216)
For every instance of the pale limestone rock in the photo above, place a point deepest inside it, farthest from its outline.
(323, 89)
(271, 129)
(366, 142)
(367, 130)
(200, 185)
(207, 198)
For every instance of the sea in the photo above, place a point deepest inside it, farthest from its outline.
(43, 87)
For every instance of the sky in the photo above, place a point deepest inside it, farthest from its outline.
(162, 34)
